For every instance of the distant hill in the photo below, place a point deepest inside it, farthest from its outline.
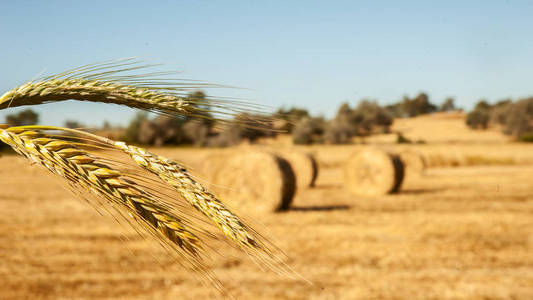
(447, 127)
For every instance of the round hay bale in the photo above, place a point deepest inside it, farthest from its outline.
(304, 166)
(414, 162)
(372, 172)
(214, 163)
(252, 180)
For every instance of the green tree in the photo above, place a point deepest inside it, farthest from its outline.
(364, 120)
(291, 117)
(73, 124)
(482, 105)
(479, 117)
(407, 107)
(131, 135)
(448, 105)
(23, 118)
(308, 131)
(421, 105)
(200, 100)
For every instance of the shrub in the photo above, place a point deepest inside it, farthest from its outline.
(23, 118)
(160, 131)
(367, 118)
(73, 124)
(527, 137)
(195, 132)
(370, 117)
(478, 119)
(290, 118)
(338, 132)
(308, 131)
(131, 135)
(519, 118)
(411, 107)
(400, 139)
(500, 111)
(447, 105)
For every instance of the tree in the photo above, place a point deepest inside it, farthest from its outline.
(500, 111)
(421, 105)
(343, 127)
(448, 105)
(364, 120)
(411, 107)
(132, 131)
(308, 131)
(291, 117)
(482, 105)
(106, 125)
(73, 124)
(199, 100)
(23, 118)
(368, 116)
(169, 129)
(195, 132)
(478, 119)
(519, 120)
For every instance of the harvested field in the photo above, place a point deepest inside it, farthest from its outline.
(455, 233)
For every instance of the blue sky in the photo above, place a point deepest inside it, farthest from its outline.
(313, 54)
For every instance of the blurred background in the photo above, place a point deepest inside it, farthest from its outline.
(408, 128)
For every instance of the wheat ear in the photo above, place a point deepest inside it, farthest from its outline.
(106, 83)
(33, 93)
(197, 196)
(177, 177)
(83, 170)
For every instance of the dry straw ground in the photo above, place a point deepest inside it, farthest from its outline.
(463, 232)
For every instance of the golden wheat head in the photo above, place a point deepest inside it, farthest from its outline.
(111, 82)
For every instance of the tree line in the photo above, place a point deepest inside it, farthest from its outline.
(515, 118)
(360, 120)
(364, 119)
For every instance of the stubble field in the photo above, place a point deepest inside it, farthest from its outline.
(460, 231)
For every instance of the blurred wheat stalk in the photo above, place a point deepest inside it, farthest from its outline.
(83, 160)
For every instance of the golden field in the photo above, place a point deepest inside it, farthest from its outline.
(463, 230)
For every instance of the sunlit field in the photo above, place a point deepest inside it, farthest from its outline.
(462, 230)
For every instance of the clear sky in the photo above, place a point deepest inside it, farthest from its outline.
(313, 54)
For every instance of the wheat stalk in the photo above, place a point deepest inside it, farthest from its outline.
(204, 201)
(87, 172)
(33, 93)
(192, 191)
(105, 83)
